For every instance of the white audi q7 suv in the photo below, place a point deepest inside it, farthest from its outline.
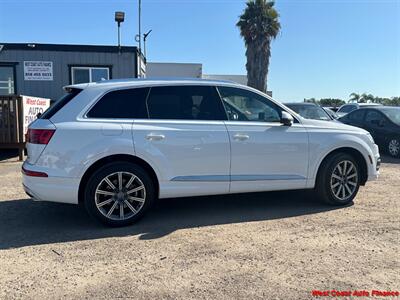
(117, 146)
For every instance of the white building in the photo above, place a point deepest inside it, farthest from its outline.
(189, 70)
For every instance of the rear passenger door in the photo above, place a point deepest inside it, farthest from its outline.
(375, 123)
(185, 140)
(356, 118)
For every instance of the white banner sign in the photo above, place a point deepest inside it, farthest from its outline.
(31, 107)
(38, 70)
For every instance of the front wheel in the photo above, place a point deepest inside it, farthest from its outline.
(119, 193)
(338, 179)
(394, 147)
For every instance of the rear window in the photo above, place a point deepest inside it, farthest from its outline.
(60, 103)
(121, 104)
(347, 108)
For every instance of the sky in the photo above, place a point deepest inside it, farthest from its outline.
(325, 49)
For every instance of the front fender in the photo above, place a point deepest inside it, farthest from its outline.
(322, 144)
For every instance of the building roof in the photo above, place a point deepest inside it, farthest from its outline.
(67, 47)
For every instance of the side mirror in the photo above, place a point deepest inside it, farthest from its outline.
(286, 119)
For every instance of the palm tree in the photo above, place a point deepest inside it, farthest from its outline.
(259, 25)
(354, 97)
(366, 98)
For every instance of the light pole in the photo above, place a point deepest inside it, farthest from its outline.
(119, 18)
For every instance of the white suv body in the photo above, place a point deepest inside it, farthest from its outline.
(244, 148)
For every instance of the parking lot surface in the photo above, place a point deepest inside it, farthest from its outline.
(250, 246)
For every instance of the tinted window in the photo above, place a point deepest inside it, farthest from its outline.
(347, 108)
(393, 114)
(185, 103)
(373, 116)
(121, 104)
(243, 105)
(56, 106)
(357, 115)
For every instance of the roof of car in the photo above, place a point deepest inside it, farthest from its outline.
(362, 104)
(149, 81)
(301, 103)
(379, 107)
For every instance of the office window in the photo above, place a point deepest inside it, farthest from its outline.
(89, 74)
(7, 83)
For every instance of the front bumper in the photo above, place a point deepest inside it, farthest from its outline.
(374, 163)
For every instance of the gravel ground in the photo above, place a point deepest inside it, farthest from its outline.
(254, 246)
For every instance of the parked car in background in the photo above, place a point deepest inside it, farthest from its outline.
(383, 122)
(347, 108)
(331, 112)
(309, 111)
(116, 146)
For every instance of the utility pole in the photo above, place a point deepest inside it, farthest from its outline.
(140, 26)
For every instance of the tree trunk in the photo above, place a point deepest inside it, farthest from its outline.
(258, 54)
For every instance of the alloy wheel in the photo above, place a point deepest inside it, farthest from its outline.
(344, 180)
(394, 147)
(120, 195)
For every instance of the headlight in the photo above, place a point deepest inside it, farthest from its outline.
(371, 139)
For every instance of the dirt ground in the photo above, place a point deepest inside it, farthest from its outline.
(254, 246)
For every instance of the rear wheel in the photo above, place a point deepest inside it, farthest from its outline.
(338, 179)
(119, 193)
(394, 147)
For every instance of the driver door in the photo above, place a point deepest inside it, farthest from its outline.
(265, 154)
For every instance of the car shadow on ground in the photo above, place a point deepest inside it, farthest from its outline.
(386, 159)
(25, 223)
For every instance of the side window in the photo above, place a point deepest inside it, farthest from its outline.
(185, 103)
(243, 105)
(347, 108)
(121, 104)
(373, 117)
(357, 115)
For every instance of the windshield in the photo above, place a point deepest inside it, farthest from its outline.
(311, 112)
(393, 113)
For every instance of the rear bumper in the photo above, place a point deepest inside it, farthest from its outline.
(53, 189)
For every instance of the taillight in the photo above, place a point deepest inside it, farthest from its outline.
(33, 173)
(39, 136)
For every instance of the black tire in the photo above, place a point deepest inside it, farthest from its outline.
(392, 147)
(326, 185)
(109, 171)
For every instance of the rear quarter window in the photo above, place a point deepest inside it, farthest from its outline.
(59, 104)
(121, 104)
(357, 115)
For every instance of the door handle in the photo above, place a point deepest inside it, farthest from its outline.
(241, 137)
(155, 137)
